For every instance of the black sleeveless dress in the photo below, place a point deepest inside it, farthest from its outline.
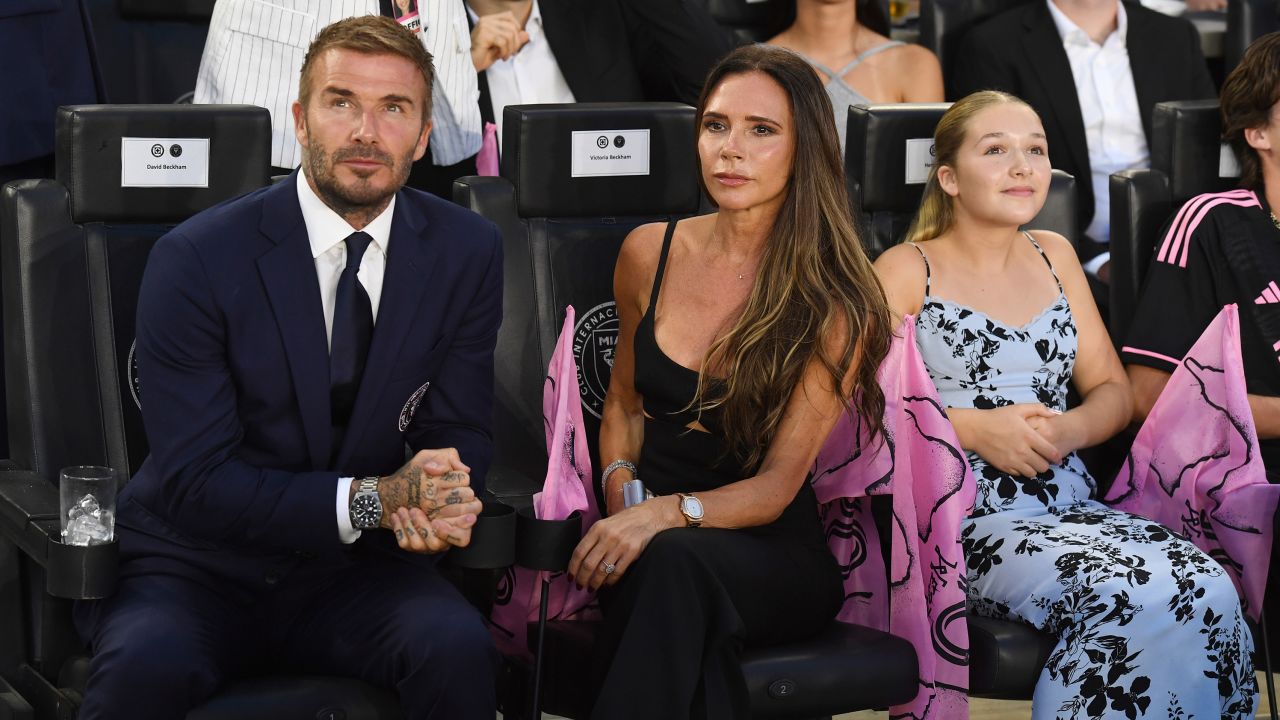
(676, 624)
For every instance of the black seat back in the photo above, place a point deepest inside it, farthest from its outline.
(1247, 20)
(563, 217)
(943, 24)
(1140, 204)
(1186, 145)
(73, 250)
(1188, 158)
(887, 157)
(887, 160)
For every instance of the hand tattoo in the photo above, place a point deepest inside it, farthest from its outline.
(400, 535)
(454, 498)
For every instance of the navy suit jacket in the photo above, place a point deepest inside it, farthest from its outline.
(1020, 51)
(233, 367)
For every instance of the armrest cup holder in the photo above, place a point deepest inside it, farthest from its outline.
(493, 540)
(546, 544)
(80, 572)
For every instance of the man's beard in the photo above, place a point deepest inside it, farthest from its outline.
(360, 197)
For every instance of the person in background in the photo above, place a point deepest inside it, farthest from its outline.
(1093, 70)
(853, 36)
(1147, 624)
(743, 336)
(255, 50)
(564, 51)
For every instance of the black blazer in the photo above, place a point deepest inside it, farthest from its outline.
(1019, 51)
(612, 51)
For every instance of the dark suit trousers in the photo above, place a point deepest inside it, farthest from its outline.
(676, 625)
(164, 643)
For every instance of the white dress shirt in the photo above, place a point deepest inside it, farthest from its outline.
(326, 230)
(530, 76)
(255, 48)
(1109, 107)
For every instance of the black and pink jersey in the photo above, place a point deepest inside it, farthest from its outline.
(1220, 248)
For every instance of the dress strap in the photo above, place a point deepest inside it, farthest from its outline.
(1046, 261)
(928, 275)
(866, 54)
(662, 264)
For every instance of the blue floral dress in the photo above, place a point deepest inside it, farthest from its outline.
(1148, 625)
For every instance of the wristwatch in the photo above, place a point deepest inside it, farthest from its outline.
(366, 505)
(691, 508)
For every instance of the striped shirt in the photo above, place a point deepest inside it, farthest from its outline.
(254, 55)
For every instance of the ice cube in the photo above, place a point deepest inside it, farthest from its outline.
(89, 530)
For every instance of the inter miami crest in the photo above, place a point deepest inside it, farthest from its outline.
(135, 389)
(595, 338)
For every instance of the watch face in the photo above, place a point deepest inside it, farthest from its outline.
(692, 507)
(366, 511)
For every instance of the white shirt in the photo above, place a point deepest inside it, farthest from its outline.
(530, 76)
(1109, 107)
(326, 230)
(255, 48)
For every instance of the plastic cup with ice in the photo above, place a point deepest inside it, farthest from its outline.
(88, 500)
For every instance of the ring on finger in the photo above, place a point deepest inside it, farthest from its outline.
(608, 567)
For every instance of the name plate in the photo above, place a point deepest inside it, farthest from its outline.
(919, 161)
(164, 162)
(609, 153)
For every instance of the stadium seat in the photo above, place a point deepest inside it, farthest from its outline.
(887, 160)
(1247, 20)
(563, 218)
(72, 252)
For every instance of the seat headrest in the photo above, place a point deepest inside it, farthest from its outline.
(888, 154)
(1186, 145)
(601, 159)
(159, 163)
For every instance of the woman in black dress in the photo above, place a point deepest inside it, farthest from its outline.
(744, 334)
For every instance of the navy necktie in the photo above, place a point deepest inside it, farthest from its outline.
(352, 332)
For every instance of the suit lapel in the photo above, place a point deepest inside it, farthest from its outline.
(1044, 49)
(1145, 64)
(288, 275)
(410, 261)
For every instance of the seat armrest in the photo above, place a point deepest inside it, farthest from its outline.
(29, 512)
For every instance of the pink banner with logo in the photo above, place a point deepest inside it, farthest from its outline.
(567, 489)
(917, 460)
(1195, 465)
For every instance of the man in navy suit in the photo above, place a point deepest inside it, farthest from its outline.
(291, 343)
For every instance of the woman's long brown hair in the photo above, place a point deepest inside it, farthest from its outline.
(814, 281)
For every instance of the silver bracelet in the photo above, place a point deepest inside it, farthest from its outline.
(604, 476)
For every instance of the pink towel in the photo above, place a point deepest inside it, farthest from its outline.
(1195, 467)
(487, 158)
(567, 489)
(919, 461)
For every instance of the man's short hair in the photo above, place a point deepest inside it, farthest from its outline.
(372, 35)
